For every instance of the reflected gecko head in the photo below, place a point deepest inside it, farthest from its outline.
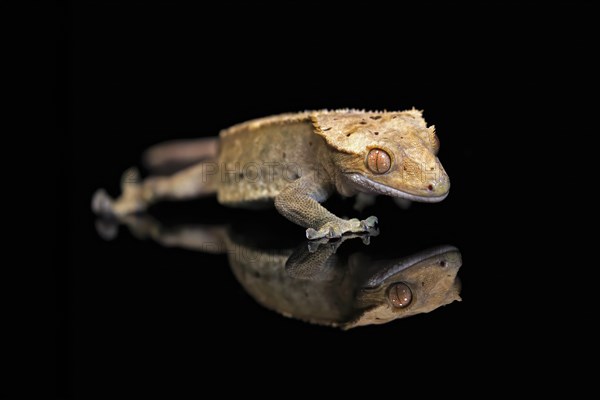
(391, 153)
(413, 285)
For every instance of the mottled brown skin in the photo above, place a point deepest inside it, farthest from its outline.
(295, 162)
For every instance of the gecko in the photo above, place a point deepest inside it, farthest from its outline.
(295, 162)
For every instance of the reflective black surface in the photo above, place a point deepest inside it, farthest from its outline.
(141, 302)
(310, 281)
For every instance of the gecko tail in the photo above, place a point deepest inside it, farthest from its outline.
(175, 155)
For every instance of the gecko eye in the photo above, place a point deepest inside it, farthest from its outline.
(378, 161)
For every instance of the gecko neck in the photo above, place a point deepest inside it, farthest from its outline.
(337, 178)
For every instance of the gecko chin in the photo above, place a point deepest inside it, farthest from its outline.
(362, 183)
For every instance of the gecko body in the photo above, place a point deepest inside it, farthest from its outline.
(295, 162)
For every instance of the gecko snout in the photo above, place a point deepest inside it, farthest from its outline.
(439, 187)
(436, 183)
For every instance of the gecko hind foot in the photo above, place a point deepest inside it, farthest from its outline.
(131, 200)
(102, 203)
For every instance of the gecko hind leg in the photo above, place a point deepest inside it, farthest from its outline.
(169, 157)
(137, 195)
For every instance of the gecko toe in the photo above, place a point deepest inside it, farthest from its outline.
(371, 222)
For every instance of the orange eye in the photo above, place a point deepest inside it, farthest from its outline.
(378, 161)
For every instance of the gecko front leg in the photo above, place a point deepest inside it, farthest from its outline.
(299, 202)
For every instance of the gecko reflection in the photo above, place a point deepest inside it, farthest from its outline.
(310, 281)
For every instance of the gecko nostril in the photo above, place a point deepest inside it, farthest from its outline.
(430, 187)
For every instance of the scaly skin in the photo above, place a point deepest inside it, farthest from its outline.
(295, 162)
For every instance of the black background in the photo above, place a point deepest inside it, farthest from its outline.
(138, 319)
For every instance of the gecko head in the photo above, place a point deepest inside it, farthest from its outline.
(389, 153)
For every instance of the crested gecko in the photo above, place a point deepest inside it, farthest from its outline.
(295, 162)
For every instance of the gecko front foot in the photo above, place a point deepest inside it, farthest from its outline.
(369, 223)
(336, 229)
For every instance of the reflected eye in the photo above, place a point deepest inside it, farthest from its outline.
(378, 161)
(400, 295)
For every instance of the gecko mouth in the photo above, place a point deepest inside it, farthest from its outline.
(363, 182)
